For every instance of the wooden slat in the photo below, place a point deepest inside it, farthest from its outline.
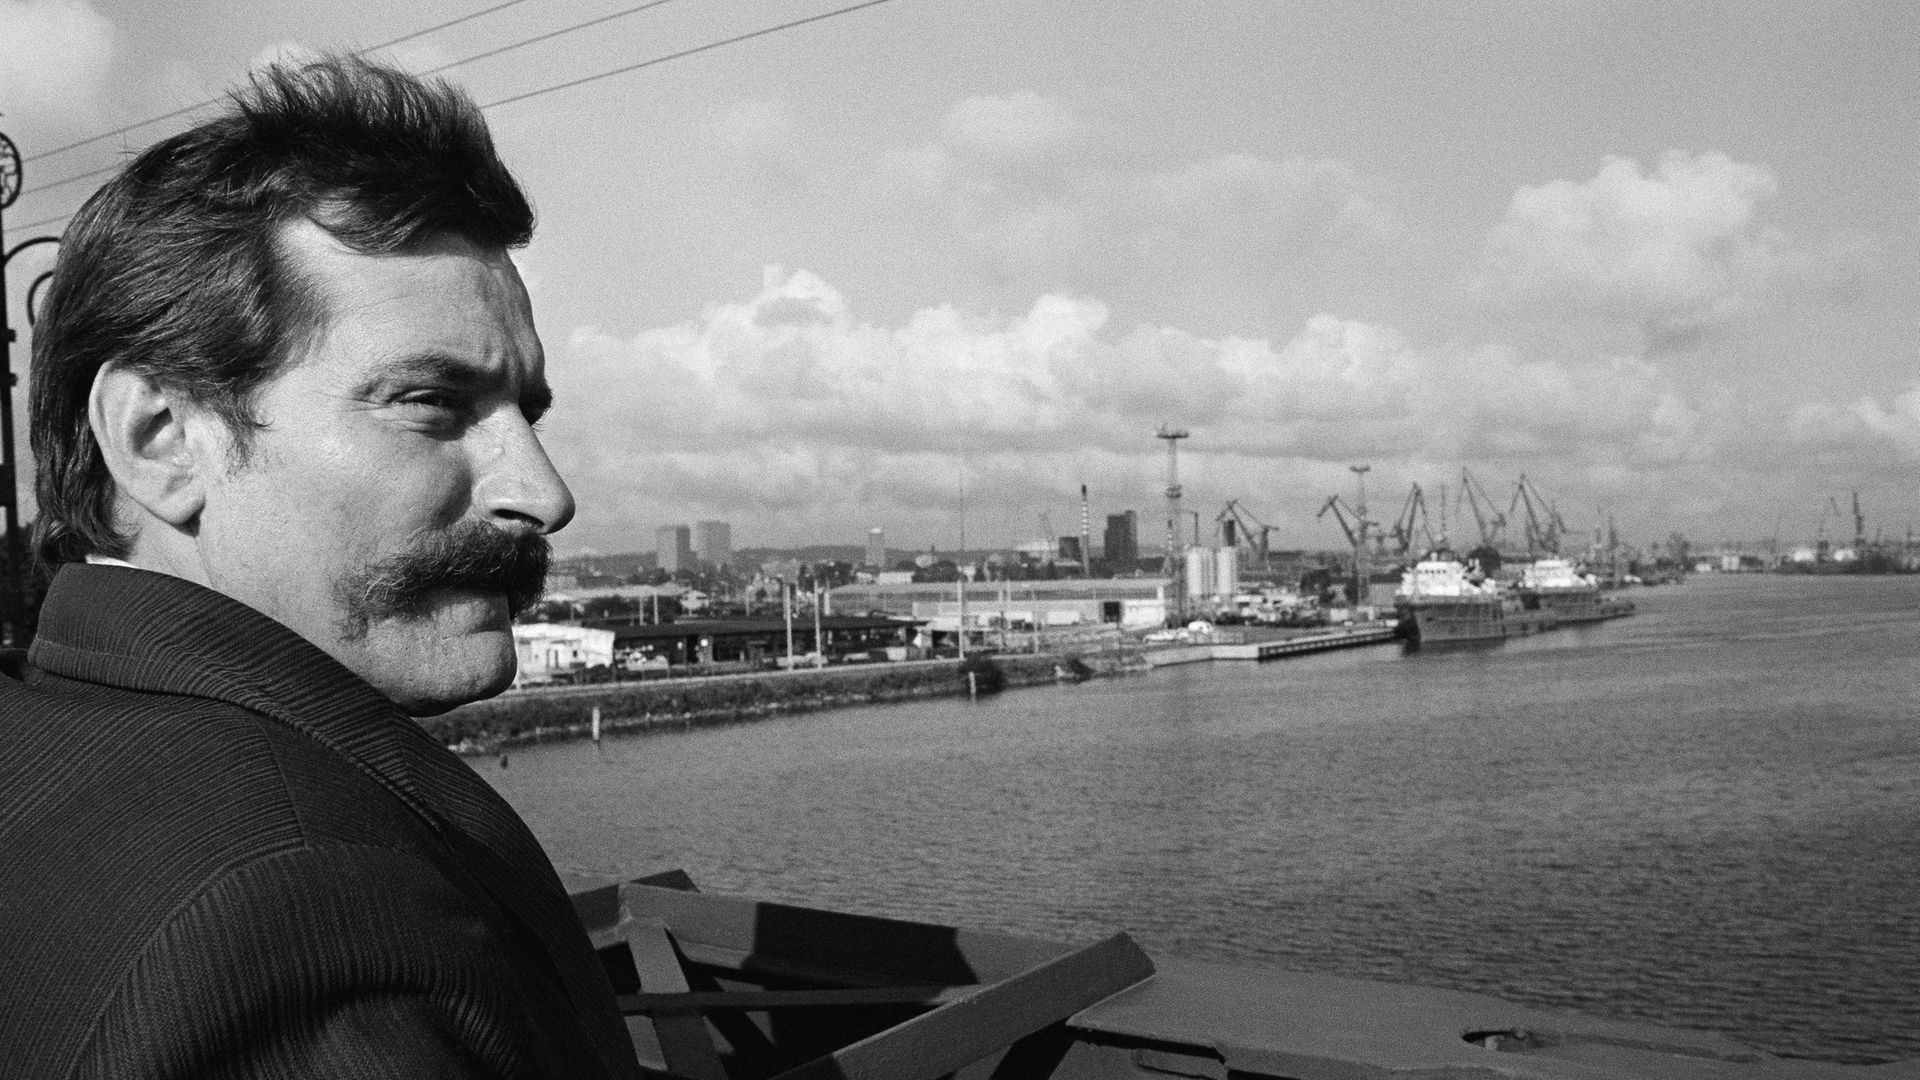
(684, 1040)
(955, 1035)
(833, 946)
(671, 1004)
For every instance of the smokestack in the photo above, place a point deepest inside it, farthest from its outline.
(1086, 535)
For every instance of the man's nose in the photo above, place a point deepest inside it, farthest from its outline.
(519, 488)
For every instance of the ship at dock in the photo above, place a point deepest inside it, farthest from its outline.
(1554, 586)
(1440, 601)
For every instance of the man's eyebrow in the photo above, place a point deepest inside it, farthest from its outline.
(435, 365)
(536, 397)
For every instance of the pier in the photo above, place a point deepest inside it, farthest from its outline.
(1222, 648)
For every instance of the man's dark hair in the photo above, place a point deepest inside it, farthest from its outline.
(175, 269)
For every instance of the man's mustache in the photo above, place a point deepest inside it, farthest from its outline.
(471, 555)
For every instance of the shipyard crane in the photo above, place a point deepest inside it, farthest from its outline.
(1821, 548)
(1238, 525)
(1413, 518)
(1358, 530)
(1490, 521)
(1351, 522)
(1356, 526)
(1616, 573)
(1544, 524)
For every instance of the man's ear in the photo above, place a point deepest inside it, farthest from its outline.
(151, 439)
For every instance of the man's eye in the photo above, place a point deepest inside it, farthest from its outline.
(430, 399)
(436, 410)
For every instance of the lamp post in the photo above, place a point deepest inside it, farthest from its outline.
(12, 588)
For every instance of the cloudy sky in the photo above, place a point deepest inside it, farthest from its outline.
(1662, 258)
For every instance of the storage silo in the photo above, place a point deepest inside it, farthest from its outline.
(1226, 572)
(1199, 573)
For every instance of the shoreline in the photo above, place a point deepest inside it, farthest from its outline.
(529, 717)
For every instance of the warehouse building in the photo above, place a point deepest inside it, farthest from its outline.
(1129, 603)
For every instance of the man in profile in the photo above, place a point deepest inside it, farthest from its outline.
(283, 396)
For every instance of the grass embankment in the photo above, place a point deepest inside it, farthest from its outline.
(521, 717)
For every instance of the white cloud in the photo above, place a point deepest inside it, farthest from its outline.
(757, 129)
(787, 407)
(1827, 428)
(1022, 127)
(1030, 196)
(1674, 251)
(59, 54)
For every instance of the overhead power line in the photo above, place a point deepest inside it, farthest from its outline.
(402, 39)
(521, 44)
(77, 177)
(683, 53)
(44, 222)
(695, 50)
(547, 36)
(118, 131)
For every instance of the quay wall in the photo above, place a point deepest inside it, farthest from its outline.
(541, 715)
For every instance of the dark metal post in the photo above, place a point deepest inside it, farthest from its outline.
(11, 587)
(13, 583)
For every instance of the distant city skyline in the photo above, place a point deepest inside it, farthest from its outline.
(937, 261)
(713, 542)
(673, 548)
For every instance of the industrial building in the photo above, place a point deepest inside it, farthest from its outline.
(547, 650)
(760, 640)
(1213, 574)
(1122, 540)
(1130, 603)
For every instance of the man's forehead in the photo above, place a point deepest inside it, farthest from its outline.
(313, 252)
(446, 301)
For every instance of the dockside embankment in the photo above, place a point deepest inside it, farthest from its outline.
(559, 713)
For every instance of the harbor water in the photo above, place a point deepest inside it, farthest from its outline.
(1706, 815)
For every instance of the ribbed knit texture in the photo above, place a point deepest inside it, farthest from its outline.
(223, 854)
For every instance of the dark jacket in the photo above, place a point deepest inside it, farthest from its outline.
(223, 854)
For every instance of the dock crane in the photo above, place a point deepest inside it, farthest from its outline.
(1822, 550)
(1357, 527)
(1544, 524)
(1238, 526)
(1490, 521)
(1047, 534)
(1350, 521)
(1413, 519)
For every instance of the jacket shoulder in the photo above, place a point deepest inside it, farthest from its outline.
(359, 961)
(120, 809)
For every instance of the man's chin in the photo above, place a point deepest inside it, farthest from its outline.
(458, 649)
(455, 611)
